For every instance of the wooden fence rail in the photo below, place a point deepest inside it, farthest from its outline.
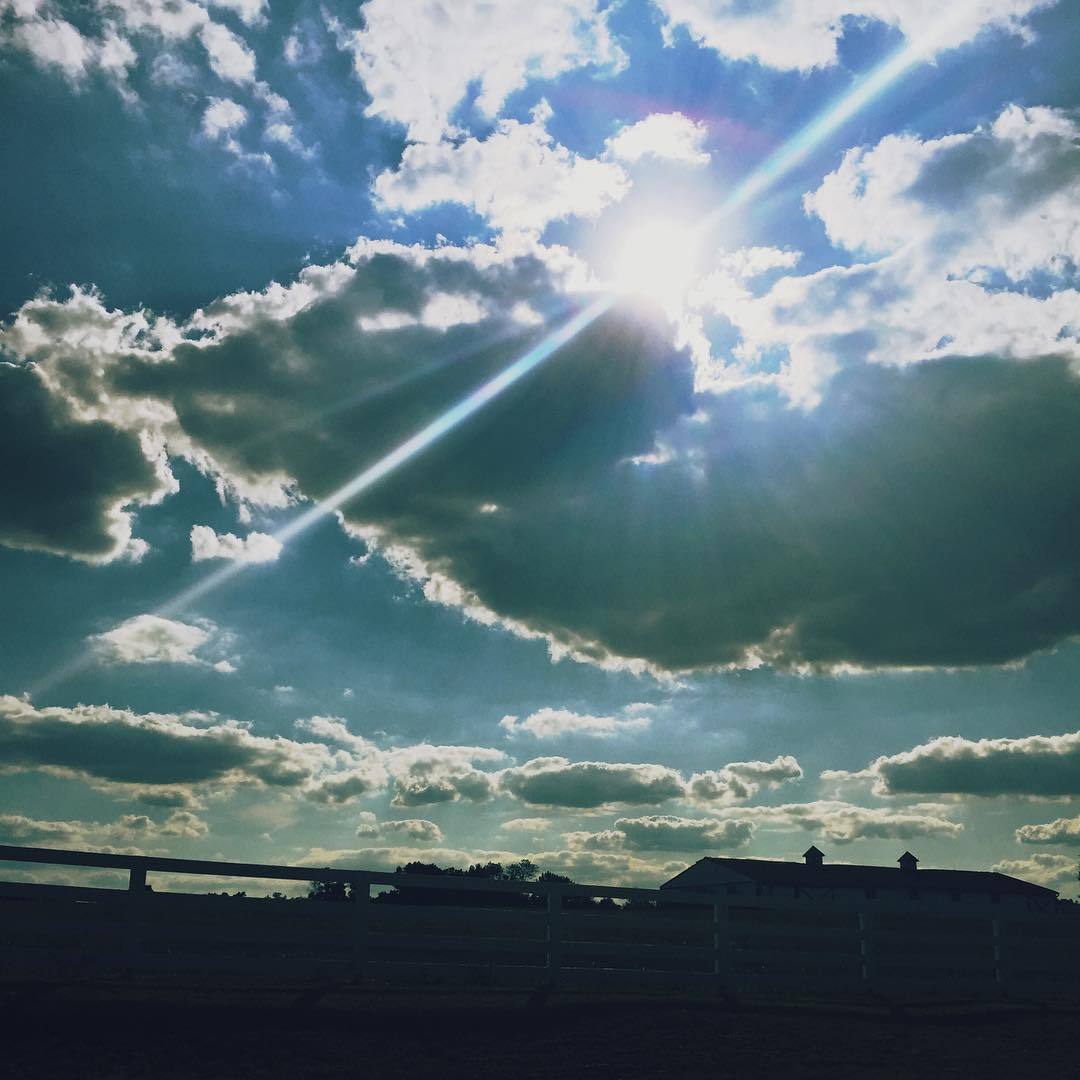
(550, 936)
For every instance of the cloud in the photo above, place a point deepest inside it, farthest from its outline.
(54, 44)
(152, 639)
(973, 252)
(669, 136)
(1054, 871)
(558, 723)
(418, 63)
(555, 781)
(422, 774)
(74, 499)
(256, 547)
(1034, 765)
(230, 58)
(173, 20)
(100, 743)
(793, 35)
(741, 779)
(419, 829)
(251, 12)
(749, 532)
(664, 832)
(285, 135)
(1059, 831)
(843, 823)
(999, 198)
(425, 775)
(128, 829)
(518, 178)
(223, 116)
(179, 798)
(526, 824)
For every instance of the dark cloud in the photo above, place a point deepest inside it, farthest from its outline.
(117, 746)
(64, 483)
(1037, 765)
(555, 781)
(916, 516)
(664, 832)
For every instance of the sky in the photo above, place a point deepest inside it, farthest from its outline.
(608, 433)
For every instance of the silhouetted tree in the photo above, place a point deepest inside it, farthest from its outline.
(522, 870)
(329, 890)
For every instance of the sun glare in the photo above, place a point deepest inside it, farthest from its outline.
(657, 260)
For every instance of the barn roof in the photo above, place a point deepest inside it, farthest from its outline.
(851, 876)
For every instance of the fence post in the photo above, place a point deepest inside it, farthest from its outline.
(865, 949)
(721, 945)
(999, 975)
(361, 890)
(133, 909)
(553, 933)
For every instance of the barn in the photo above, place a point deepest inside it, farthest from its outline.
(967, 891)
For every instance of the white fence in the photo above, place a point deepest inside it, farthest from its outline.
(460, 929)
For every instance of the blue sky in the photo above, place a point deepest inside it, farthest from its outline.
(777, 547)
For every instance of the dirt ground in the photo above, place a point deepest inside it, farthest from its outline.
(113, 1031)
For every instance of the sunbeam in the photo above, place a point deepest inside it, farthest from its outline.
(786, 158)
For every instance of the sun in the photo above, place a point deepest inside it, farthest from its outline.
(658, 260)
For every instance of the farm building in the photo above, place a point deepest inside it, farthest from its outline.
(812, 879)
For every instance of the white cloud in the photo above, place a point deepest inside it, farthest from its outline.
(251, 12)
(556, 723)
(285, 134)
(957, 229)
(418, 829)
(230, 58)
(152, 639)
(1059, 831)
(223, 116)
(796, 35)
(518, 178)
(301, 49)
(418, 61)
(173, 20)
(55, 43)
(670, 136)
(1054, 871)
(1002, 197)
(169, 70)
(532, 825)
(256, 547)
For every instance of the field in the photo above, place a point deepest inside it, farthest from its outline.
(115, 1030)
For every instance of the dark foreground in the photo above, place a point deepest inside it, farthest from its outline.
(118, 1030)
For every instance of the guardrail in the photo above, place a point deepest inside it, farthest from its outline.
(517, 933)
